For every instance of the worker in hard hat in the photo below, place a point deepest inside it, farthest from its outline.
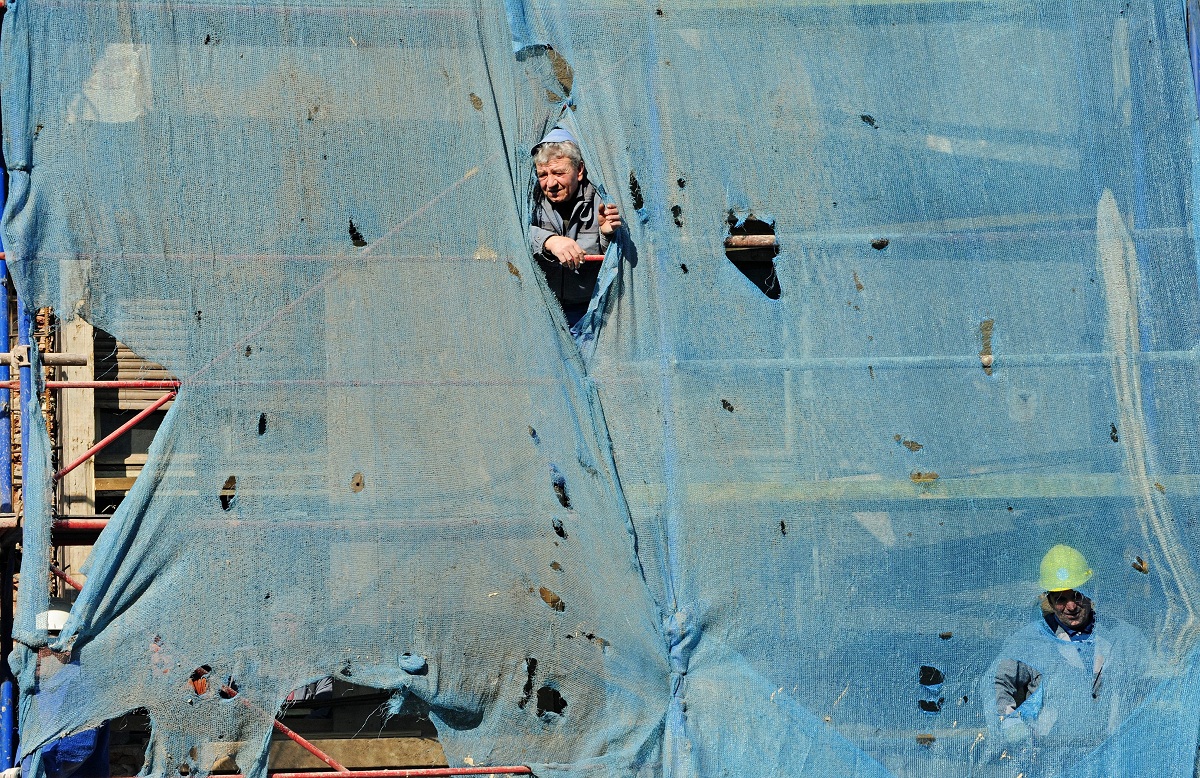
(568, 222)
(1066, 681)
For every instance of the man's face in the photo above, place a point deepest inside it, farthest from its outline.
(559, 179)
(1072, 609)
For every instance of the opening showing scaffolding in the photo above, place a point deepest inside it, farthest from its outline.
(903, 303)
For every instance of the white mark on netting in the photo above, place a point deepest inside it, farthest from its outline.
(1117, 259)
(118, 90)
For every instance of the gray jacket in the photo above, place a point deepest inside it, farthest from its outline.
(573, 288)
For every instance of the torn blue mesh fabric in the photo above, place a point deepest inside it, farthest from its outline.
(768, 514)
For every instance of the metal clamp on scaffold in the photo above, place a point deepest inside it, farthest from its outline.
(19, 357)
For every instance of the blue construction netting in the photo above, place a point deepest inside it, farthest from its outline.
(727, 531)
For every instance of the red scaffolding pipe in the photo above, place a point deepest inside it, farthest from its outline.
(416, 772)
(310, 748)
(70, 581)
(108, 440)
(147, 384)
(80, 524)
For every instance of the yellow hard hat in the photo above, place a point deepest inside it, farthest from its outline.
(1064, 568)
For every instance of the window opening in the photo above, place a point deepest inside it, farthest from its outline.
(752, 247)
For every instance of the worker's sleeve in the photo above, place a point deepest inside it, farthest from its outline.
(537, 238)
(1015, 682)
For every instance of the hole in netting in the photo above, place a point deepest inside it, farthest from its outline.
(114, 469)
(229, 689)
(571, 225)
(262, 424)
(228, 492)
(931, 706)
(751, 247)
(527, 692)
(128, 737)
(550, 701)
(559, 529)
(559, 482)
(199, 679)
(930, 676)
(340, 717)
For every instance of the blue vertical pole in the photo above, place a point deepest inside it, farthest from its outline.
(8, 699)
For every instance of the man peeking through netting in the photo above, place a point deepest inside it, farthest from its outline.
(1066, 681)
(570, 228)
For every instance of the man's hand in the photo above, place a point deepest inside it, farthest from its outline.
(565, 250)
(609, 218)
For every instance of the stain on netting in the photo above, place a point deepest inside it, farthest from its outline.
(552, 599)
(1112, 433)
(986, 359)
(262, 424)
(527, 692)
(356, 237)
(550, 701)
(1162, 489)
(879, 244)
(228, 492)
(249, 350)
(635, 191)
(868, 120)
(923, 478)
(199, 316)
(357, 483)
(1141, 565)
(533, 434)
(727, 405)
(783, 528)
(513, 269)
(476, 102)
(871, 371)
(911, 445)
(677, 215)
(925, 739)
(559, 483)
(562, 69)
(751, 247)
(858, 285)
(556, 567)
(945, 635)
(593, 637)
(312, 112)
(558, 528)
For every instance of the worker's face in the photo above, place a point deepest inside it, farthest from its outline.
(1072, 609)
(559, 179)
